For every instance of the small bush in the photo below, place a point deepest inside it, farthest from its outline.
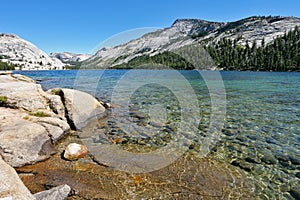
(3, 101)
(40, 114)
(56, 91)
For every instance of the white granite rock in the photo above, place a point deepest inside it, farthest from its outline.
(75, 151)
(57, 193)
(11, 186)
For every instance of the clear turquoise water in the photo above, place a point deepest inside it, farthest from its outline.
(261, 134)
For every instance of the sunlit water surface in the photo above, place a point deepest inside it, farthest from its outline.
(261, 134)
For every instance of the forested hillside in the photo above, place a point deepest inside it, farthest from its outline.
(283, 54)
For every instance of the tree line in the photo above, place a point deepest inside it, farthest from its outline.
(162, 60)
(6, 66)
(282, 54)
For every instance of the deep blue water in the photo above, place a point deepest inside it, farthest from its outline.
(261, 134)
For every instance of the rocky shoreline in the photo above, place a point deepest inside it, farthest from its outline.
(32, 123)
(39, 160)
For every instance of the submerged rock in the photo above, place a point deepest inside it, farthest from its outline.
(295, 191)
(11, 186)
(75, 151)
(269, 159)
(243, 165)
(57, 193)
(298, 175)
(295, 160)
(191, 176)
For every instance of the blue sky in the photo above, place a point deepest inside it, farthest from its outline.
(80, 26)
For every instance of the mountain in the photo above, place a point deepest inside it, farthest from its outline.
(25, 55)
(185, 32)
(162, 47)
(70, 58)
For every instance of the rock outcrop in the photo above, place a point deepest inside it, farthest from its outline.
(11, 186)
(31, 122)
(81, 107)
(28, 125)
(24, 95)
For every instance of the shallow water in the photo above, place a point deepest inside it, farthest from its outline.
(189, 177)
(261, 133)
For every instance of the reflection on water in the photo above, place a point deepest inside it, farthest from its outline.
(261, 135)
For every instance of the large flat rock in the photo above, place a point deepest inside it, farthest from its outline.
(24, 95)
(22, 141)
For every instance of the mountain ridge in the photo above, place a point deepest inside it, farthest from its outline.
(187, 31)
(183, 32)
(69, 58)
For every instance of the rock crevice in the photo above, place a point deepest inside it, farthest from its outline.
(60, 93)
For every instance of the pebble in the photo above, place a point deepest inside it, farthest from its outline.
(294, 160)
(242, 138)
(271, 141)
(269, 159)
(284, 187)
(298, 175)
(295, 192)
(243, 165)
(251, 160)
(283, 160)
(107, 105)
(252, 137)
(229, 132)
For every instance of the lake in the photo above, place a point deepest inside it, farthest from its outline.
(259, 113)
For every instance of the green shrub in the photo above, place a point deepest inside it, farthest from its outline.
(56, 91)
(3, 101)
(40, 114)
